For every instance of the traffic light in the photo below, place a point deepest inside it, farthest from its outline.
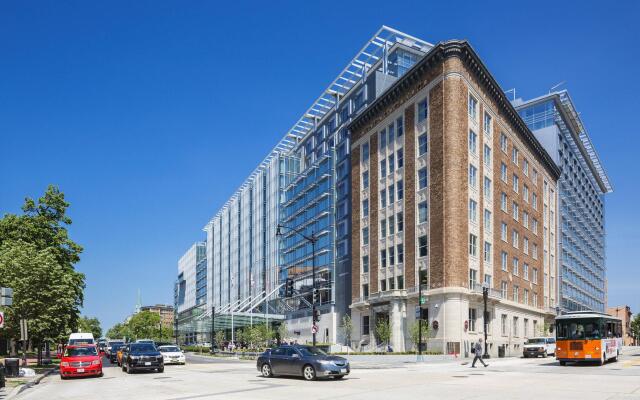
(316, 315)
(316, 295)
(288, 288)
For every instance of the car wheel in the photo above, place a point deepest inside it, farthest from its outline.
(129, 371)
(161, 370)
(544, 355)
(101, 374)
(63, 377)
(563, 363)
(308, 372)
(338, 377)
(266, 370)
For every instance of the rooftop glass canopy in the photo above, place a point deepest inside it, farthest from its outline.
(356, 69)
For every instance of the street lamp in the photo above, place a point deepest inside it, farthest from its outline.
(313, 239)
(420, 302)
(485, 319)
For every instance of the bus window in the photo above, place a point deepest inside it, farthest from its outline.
(575, 329)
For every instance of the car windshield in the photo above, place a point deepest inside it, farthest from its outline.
(574, 329)
(80, 341)
(142, 348)
(116, 347)
(169, 349)
(311, 351)
(80, 351)
(535, 341)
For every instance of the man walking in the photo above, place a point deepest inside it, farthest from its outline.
(477, 349)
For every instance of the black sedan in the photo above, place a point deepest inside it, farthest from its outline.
(141, 357)
(306, 361)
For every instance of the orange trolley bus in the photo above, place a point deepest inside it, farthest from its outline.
(588, 336)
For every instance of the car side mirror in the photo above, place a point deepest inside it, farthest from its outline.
(295, 355)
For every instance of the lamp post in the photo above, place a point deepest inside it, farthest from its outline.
(213, 319)
(420, 302)
(485, 319)
(313, 239)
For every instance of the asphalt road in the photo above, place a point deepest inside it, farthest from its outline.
(205, 378)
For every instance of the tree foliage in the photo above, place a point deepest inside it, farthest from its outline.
(143, 325)
(37, 260)
(86, 324)
(414, 332)
(347, 328)
(383, 330)
(635, 327)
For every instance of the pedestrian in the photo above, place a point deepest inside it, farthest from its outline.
(477, 349)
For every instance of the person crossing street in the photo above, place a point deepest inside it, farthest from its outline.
(477, 349)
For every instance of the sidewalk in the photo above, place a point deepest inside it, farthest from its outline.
(15, 386)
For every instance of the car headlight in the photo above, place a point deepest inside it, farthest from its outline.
(326, 362)
(95, 362)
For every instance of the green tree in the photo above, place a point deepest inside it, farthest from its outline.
(37, 260)
(283, 330)
(414, 333)
(383, 330)
(118, 331)
(86, 324)
(220, 338)
(635, 328)
(146, 325)
(347, 328)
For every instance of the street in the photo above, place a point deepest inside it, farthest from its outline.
(212, 378)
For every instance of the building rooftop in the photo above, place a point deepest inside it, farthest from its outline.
(583, 140)
(354, 71)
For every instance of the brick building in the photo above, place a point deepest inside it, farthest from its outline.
(450, 186)
(165, 311)
(625, 314)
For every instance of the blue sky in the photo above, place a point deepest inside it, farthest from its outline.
(149, 114)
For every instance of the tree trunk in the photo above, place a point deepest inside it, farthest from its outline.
(13, 351)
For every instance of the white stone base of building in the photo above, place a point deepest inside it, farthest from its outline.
(510, 323)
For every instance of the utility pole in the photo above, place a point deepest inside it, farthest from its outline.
(213, 319)
(485, 320)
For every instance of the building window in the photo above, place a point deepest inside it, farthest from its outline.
(503, 142)
(400, 282)
(525, 167)
(503, 172)
(422, 178)
(400, 157)
(383, 258)
(365, 320)
(423, 246)
(515, 239)
(534, 177)
(473, 278)
(503, 201)
(473, 108)
(392, 226)
(525, 271)
(487, 281)
(383, 285)
(487, 188)
(365, 152)
(525, 219)
(534, 201)
(400, 251)
(487, 123)
(487, 155)
(365, 180)
(487, 221)
(534, 275)
(365, 235)
(423, 212)
(391, 133)
(534, 226)
(392, 255)
(503, 260)
(535, 304)
(383, 139)
(365, 264)
(391, 160)
(473, 245)
(400, 221)
(503, 231)
(503, 323)
(400, 186)
(515, 183)
(515, 324)
(473, 141)
(383, 168)
(514, 155)
(400, 126)
(514, 267)
(534, 251)
(487, 252)
(365, 208)
(525, 245)
(525, 300)
(525, 193)
(392, 194)
(515, 210)
(515, 293)
(472, 319)
(423, 110)
(473, 213)
(383, 198)
(473, 176)
(423, 144)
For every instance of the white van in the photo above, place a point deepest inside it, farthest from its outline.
(539, 346)
(81, 338)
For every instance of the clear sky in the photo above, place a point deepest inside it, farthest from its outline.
(149, 114)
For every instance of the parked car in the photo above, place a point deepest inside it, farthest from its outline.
(306, 361)
(80, 360)
(540, 346)
(172, 354)
(81, 338)
(149, 341)
(141, 357)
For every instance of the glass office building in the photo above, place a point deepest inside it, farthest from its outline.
(303, 184)
(582, 187)
(190, 294)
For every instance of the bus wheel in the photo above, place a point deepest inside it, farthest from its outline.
(563, 363)
(603, 359)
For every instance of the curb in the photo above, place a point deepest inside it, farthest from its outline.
(16, 391)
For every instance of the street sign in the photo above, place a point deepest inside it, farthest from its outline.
(423, 300)
(1, 319)
(314, 328)
(6, 296)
